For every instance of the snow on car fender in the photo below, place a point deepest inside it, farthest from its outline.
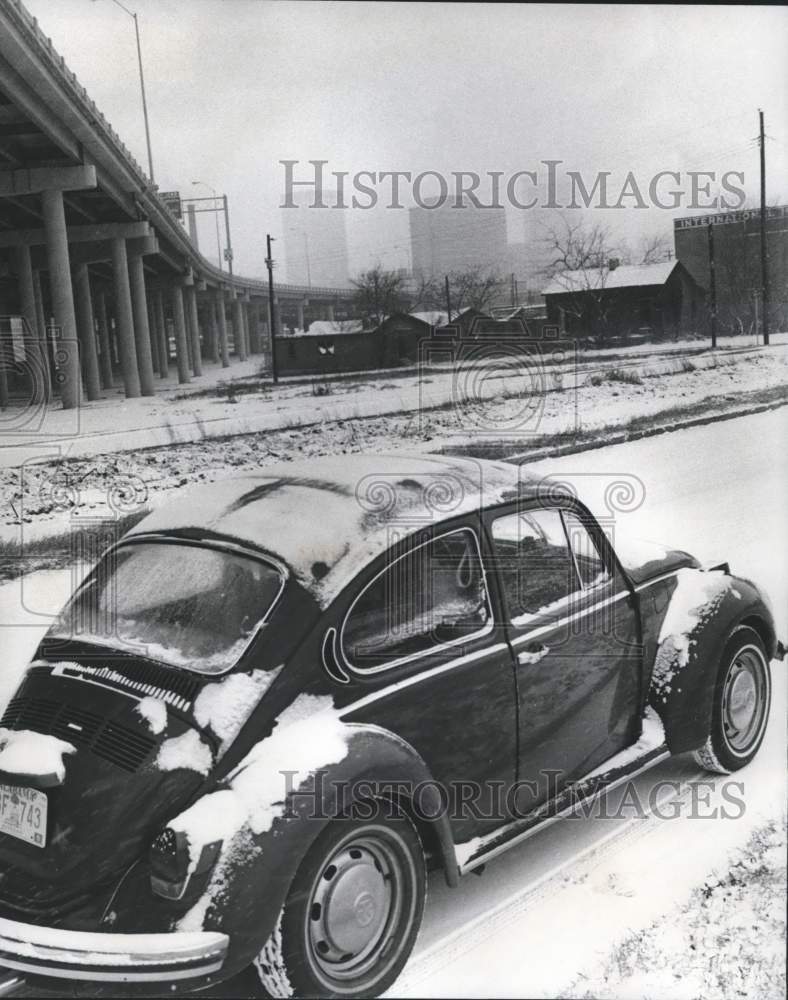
(249, 836)
(704, 608)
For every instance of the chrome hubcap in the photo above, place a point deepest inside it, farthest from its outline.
(354, 906)
(743, 700)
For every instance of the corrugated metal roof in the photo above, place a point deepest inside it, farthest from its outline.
(623, 276)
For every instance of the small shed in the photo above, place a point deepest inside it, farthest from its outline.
(627, 302)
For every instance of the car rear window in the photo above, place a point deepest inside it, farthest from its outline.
(186, 605)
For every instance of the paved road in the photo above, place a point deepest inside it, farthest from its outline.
(546, 911)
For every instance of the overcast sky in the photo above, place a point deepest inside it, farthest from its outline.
(235, 86)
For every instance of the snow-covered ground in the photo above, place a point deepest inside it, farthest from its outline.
(52, 499)
(551, 916)
(115, 424)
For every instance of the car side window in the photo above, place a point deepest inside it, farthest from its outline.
(590, 566)
(433, 596)
(534, 563)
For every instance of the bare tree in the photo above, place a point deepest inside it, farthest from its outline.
(473, 288)
(379, 293)
(655, 249)
(426, 295)
(579, 259)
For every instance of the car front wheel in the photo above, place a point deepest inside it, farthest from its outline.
(352, 913)
(740, 711)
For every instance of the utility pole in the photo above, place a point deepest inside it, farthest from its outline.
(228, 251)
(269, 263)
(514, 295)
(448, 300)
(764, 258)
(712, 287)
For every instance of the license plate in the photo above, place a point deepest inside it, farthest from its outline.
(23, 814)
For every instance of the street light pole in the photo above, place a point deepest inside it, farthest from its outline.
(229, 249)
(133, 16)
(216, 220)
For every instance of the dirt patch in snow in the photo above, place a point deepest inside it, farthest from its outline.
(728, 941)
(49, 506)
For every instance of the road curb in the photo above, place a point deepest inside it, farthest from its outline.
(623, 437)
(199, 427)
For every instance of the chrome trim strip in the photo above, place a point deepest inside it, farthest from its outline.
(551, 626)
(108, 976)
(477, 654)
(483, 858)
(110, 957)
(415, 678)
(115, 681)
(657, 579)
(10, 983)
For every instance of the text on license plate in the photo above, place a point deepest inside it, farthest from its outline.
(23, 814)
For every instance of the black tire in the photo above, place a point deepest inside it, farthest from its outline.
(740, 710)
(352, 913)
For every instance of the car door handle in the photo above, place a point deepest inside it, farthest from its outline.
(532, 653)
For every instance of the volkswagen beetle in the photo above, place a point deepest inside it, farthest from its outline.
(277, 702)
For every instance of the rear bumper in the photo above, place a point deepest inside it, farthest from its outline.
(110, 958)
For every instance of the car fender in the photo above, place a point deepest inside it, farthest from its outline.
(249, 885)
(682, 686)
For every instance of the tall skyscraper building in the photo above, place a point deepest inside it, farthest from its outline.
(315, 243)
(445, 239)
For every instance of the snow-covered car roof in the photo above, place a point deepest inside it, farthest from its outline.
(327, 518)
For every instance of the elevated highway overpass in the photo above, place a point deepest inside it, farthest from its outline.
(92, 258)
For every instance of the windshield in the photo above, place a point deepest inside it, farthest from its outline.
(186, 605)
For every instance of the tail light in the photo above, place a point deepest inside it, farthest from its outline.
(171, 867)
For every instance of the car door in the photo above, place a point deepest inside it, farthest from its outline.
(421, 635)
(573, 627)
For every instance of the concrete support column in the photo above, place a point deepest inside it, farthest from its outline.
(42, 326)
(105, 358)
(301, 319)
(181, 349)
(154, 344)
(62, 296)
(194, 325)
(247, 330)
(141, 328)
(5, 353)
(87, 333)
(222, 319)
(330, 313)
(213, 324)
(238, 329)
(161, 333)
(253, 312)
(124, 323)
(34, 347)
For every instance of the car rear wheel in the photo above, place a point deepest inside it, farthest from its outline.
(352, 913)
(740, 711)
